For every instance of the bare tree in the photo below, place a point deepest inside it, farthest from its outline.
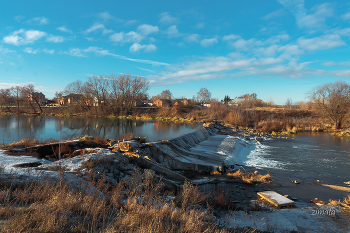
(166, 95)
(6, 98)
(289, 103)
(203, 95)
(112, 93)
(334, 100)
(33, 97)
(97, 90)
(17, 93)
(77, 92)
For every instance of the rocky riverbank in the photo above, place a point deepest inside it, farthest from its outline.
(229, 190)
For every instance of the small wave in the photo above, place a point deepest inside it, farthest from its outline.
(252, 154)
(256, 159)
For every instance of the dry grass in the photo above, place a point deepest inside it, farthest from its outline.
(345, 203)
(251, 178)
(220, 199)
(139, 204)
(347, 200)
(215, 173)
(25, 142)
(337, 187)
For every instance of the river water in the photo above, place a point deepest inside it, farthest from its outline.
(15, 128)
(306, 157)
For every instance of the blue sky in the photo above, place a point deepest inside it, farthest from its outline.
(278, 49)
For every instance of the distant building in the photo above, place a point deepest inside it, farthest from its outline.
(70, 99)
(139, 103)
(235, 101)
(181, 102)
(148, 102)
(162, 103)
(37, 97)
(206, 104)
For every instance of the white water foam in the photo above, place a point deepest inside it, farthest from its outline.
(248, 153)
(256, 158)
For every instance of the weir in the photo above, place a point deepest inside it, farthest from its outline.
(176, 153)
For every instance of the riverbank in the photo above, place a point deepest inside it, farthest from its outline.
(131, 161)
(273, 120)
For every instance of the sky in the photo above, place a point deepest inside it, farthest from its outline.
(278, 49)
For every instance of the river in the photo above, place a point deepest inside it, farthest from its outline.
(305, 157)
(16, 127)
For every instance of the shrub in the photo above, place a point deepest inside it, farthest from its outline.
(251, 178)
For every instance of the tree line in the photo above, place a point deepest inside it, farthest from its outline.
(110, 94)
(20, 96)
(118, 95)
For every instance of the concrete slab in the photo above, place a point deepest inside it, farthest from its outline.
(276, 199)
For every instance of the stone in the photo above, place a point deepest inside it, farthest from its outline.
(276, 199)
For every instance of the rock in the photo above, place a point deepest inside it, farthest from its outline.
(296, 182)
(348, 182)
(318, 181)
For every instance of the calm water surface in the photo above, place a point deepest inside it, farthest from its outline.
(308, 155)
(14, 128)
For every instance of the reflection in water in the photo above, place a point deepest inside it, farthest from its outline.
(15, 128)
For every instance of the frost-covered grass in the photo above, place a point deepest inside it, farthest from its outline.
(138, 204)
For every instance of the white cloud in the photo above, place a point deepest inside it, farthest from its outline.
(39, 20)
(320, 43)
(220, 67)
(166, 18)
(291, 49)
(6, 50)
(208, 42)
(105, 16)
(346, 16)
(231, 37)
(314, 20)
(332, 63)
(64, 29)
(49, 51)
(98, 27)
(22, 37)
(243, 44)
(318, 18)
(76, 52)
(172, 31)
(99, 51)
(130, 37)
(54, 39)
(136, 47)
(146, 29)
(200, 25)
(150, 48)
(19, 18)
(30, 50)
(275, 14)
(192, 38)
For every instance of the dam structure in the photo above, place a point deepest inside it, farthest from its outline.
(207, 149)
